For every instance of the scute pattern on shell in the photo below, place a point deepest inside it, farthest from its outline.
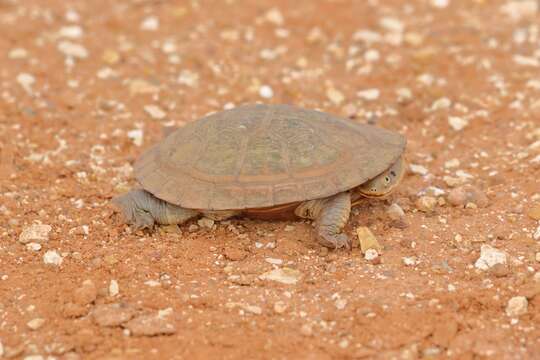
(264, 155)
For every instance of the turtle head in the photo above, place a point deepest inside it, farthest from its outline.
(384, 183)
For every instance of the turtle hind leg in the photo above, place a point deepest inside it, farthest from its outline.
(330, 215)
(143, 210)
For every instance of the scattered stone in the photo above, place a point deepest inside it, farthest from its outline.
(71, 31)
(369, 94)
(534, 212)
(234, 254)
(463, 195)
(136, 135)
(155, 112)
(85, 294)
(517, 306)
(457, 123)
(489, 256)
(38, 233)
(52, 257)
(150, 23)
(33, 246)
(289, 228)
(367, 240)
(206, 223)
(499, 270)
(371, 255)
(274, 16)
(71, 49)
(284, 275)
(246, 307)
(426, 204)
(17, 54)
(453, 163)
(418, 169)
(72, 310)
(109, 315)
(395, 212)
(114, 289)
(536, 234)
(335, 96)
(26, 81)
(193, 227)
(274, 261)
(537, 257)
(409, 260)
(150, 325)
(519, 9)
(454, 181)
(266, 92)
(340, 304)
(440, 4)
(280, 307)
(188, 78)
(141, 87)
(35, 324)
(536, 277)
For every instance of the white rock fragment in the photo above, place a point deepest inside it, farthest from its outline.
(155, 112)
(188, 78)
(71, 31)
(372, 55)
(152, 283)
(274, 261)
(517, 306)
(114, 288)
(335, 96)
(418, 169)
(71, 49)
(489, 257)
(440, 4)
(368, 94)
(72, 16)
(392, 24)
(266, 92)
(533, 84)
(519, 9)
(526, 60)
(395, 212)
(404, 95)
(35, 324)
(536, 234)
(150, 23)
(284, 275)
(453, 163)
(33, 246)
(442, 103)
(52, 257)
(371, 254)
(17, 54)
(136, 135)
(457, 123)
(275, 17)
(35, 233)
(340, 304)
(205, 222)
(26, 81)
(409, 260)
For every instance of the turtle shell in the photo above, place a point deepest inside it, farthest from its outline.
(257, 156)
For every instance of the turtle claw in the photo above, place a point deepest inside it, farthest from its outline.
(141, 220)
(335, 241)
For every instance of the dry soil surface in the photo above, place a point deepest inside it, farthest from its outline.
(87, 86)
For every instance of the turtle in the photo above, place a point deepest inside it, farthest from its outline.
(265, 161)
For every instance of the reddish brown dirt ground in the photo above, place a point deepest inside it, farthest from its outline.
(86, 87)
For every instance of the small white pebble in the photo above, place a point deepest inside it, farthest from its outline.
(114, 288)
(17, 53)
(371, 254)
(335, 96)
(136, 135)
(53, 258)
(517, 306)
(440, 4)
(33, 246)
(453, 163)
(150, 23)
(35, 324)
(155, 112)
(71, 49)
(266, 92)
(274, 261)
(71, 31)
(457, 123)
(409, 260)
(26, 81)
(489, 257)
(275, 17)
(536, 235)
(418, 169)
(368, 94)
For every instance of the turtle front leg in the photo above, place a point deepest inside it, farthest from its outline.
(330, 215)
(143, 210)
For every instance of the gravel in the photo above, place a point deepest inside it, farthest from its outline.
(284, 275)
(150, 325)
(52, 257)
(489, 256)
(517, 306)
(37, 233)
(109, 315)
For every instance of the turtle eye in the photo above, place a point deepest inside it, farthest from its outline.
(387, 179)
(393, 173)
